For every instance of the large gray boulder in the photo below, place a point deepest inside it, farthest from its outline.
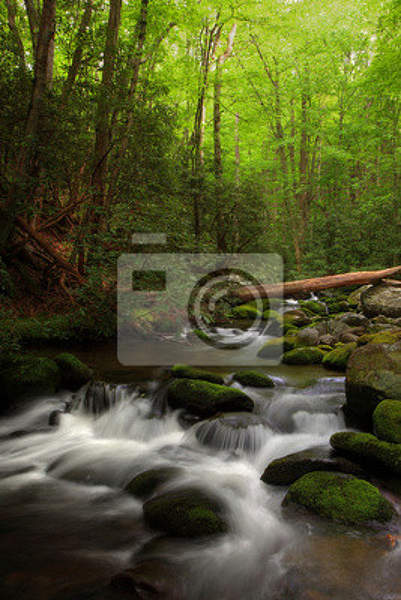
(382, 300)
(373, 374)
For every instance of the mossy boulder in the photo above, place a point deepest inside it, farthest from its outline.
(337, 359)
(383, 300)
(340, 497)
(336, 306)
(185, 513)
(74, 373)
(309, 336)
(29, 376)
(314, 306)
(387, 421)
(368, 450)
(373, 374)
(296, 317)
(307, 355)
(254, 379)
(186, 372)
(146, 483)
(206, 399)
(286, 470)
(245, 311)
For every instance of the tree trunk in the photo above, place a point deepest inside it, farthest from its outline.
(316, 284)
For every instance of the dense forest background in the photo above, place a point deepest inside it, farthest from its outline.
(230, 125)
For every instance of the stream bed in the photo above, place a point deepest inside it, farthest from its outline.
(68, 526)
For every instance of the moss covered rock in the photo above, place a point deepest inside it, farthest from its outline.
(381, 299)
(341, 498)
(185, 513)
(29, 376)
(314, 306)
(186, 372)
(338, 358)
(254, 379)
(74, 373)
(245, 311)
(288, 469)
(206, 399)
(296, 317)
(387, 421)
(146, 483)
(368, 450)
(307, 355)
(373, 374)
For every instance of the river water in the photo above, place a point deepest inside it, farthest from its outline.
(67, 525)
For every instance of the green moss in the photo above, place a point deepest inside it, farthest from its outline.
(185, 513)
(295, 318)
(314, 306)
(245, 311)
(206, 399)
(201, 335)
(307, 355)
(273, 315)
(368, 450)
(338, 358)
(387, 421)
(74, 373)
(340, 497)
(186, 372)
(31, 376)
(386, 337)
(254, 379)
(146, 483)
(337, 307)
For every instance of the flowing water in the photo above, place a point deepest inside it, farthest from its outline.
(67, 525)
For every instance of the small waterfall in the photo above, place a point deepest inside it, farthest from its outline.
(242, 432)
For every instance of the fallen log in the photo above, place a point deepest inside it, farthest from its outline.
(316, 284)
(48, 248)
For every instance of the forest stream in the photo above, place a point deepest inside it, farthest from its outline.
(68, 526)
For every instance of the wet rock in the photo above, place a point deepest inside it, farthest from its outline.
(303, 356)
(327, 339)
(254, 379)
(338, 358)
(308, 337)
(382, 300)
(74, 373)
(387, 421)
(354, 320)
(354, 299)
(206, 399)
(373, 374)
(288, 469)
(188, 512)
(146, 483)
(375, 455)
(150, 579)
(186, 372)
(237, 431)
(54, 418)
(340, 497)
(348, 338)
(296, 317)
